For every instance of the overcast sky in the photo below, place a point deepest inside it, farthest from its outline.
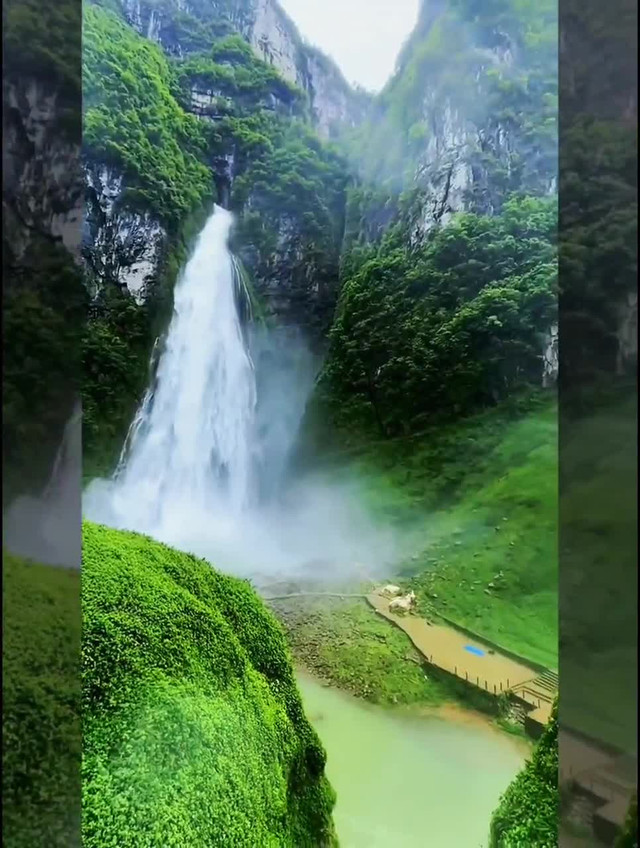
(362, 36)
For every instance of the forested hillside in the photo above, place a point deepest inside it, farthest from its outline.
(347, 382)
(182, 109)
(164, 138)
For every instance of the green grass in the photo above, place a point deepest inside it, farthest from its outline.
(477, 500)
(345, 643)
(599, 574)
(194, 730)
(41, 731)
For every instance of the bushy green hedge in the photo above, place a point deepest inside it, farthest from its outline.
(528, 811)
(194, 731)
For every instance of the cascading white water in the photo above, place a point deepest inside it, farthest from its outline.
(204, 465)
(189, 449)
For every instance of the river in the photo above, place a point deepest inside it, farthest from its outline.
(410, 781)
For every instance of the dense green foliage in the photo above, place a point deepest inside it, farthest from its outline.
(528, 811)
(194, 731)
(133, 121)
(443, 326)
(115, 352)
(41, 732)
(598, 251)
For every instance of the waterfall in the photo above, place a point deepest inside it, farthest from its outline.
(204, 466)
(188, 452)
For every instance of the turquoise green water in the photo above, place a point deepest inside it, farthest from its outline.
(405, 782)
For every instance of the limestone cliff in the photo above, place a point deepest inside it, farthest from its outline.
(186, 26)
(468, 118)
(470, 113)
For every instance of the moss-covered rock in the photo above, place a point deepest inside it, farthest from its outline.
(194, 731)
(528, 810)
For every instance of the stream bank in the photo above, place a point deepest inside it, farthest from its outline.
(401, 778)
(344, 643)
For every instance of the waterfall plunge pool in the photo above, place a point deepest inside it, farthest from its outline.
(409, 781)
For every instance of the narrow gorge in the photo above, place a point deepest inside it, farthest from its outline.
(322, 321)
(310, 332)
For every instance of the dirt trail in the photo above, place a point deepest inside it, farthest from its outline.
(448, 649)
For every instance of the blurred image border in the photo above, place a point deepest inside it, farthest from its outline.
(597, 392)
(43, 313)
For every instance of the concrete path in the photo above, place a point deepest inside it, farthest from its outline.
(448, 649)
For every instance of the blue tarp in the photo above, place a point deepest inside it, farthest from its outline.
(477, 651)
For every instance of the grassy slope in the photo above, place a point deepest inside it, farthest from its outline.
(599, 574)
(194, 732)
(346, 644)
(447, 491)
(479, 499)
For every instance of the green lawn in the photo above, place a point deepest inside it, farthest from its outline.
(479, 502)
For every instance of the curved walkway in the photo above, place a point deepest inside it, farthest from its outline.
(472, 661)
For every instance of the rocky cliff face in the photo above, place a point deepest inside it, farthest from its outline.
(470, 113)
(127, 246)
(185, 26)
(120, 245)
(42, 187)
(627, 336)
(550, 358)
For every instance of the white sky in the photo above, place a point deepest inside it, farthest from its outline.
(364, 37)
